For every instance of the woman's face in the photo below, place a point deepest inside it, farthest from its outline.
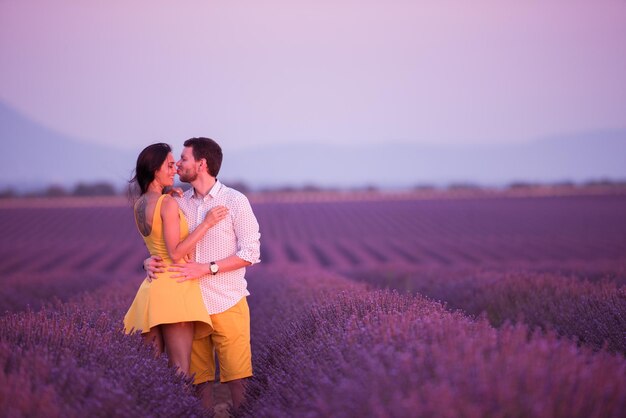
(165, 174)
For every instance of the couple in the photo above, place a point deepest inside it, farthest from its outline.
(193, 302)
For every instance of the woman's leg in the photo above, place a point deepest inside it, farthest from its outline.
(154, 337)
(178, 339)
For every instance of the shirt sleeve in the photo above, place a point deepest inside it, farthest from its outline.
(247, 231)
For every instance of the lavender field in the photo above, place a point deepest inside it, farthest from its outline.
(476, 307)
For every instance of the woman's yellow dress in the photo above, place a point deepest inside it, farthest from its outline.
(164, 300)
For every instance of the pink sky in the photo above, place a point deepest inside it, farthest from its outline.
(251, 73)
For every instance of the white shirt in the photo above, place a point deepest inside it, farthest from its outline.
(237, 234)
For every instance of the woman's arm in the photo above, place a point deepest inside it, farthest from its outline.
(171, 228)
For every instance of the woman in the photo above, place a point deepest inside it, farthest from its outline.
(169, 314)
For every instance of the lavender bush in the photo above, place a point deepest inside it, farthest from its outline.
(22, 291)
(74, 361)
(281, 294)
(594, 313)
(381, 354)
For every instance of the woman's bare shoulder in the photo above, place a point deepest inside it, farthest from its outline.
(169, 204)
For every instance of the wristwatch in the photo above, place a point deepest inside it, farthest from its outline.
(214, 268)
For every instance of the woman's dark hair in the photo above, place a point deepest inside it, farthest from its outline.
(148, 162)
(209, 150)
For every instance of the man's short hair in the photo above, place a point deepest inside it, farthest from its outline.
(209, 150)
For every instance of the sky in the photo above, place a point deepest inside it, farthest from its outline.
(251, 74)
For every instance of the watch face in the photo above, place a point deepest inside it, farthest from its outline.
(214, 268)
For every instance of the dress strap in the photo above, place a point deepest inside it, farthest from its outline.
(156, 217)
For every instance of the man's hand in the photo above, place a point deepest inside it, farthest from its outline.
(152, 266)
(188, 271)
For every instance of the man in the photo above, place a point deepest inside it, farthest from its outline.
(220, 260)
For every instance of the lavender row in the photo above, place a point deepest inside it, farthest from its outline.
(583, 235)
(446, 232)
(354, 352)
(342, 235)
(66, 271)
(49, 254)
(593, 313)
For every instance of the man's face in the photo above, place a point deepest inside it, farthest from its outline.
(187, 166)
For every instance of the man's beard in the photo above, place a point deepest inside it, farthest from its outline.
(188, 178)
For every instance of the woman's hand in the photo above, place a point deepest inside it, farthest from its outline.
(152, 266)
(188, 271)
(215, 215)
(175, 192)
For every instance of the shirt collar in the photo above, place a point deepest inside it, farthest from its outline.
(215, 190)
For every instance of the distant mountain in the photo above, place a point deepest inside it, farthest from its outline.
(36, 156)
(578, 158)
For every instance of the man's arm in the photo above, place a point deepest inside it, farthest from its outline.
(193, 270)
(247, 232)
(246, 229)
(152, 266)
